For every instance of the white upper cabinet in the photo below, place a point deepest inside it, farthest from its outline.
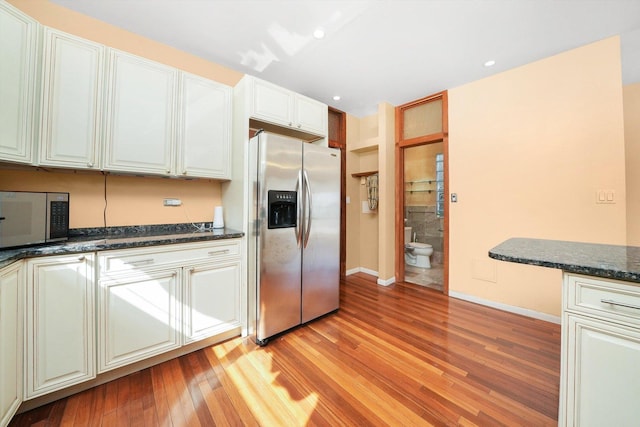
(71, 101)
(274, 104)
(140, 115)
(204, 130)
(18, 84)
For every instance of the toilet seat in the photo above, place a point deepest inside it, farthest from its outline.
(419, 245)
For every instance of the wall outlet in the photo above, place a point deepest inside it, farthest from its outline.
(172, 202)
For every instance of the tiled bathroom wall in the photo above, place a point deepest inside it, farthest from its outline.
(428, 228)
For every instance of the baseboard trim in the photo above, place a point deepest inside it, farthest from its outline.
(505, 307)
(373, 273)
(387, 282)
(362, 270)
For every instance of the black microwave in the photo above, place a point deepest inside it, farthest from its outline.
(29, 218)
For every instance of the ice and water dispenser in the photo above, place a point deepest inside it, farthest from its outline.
(283, 209)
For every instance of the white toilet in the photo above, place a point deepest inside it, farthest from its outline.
(415, 253)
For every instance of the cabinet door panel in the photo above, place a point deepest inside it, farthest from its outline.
(18, 65)
(10, 342)
(60, 337)
(272, 103)
(137, 318)
(311, 115)
(140, 115)
(205, 128)
(605, 373)
(72, 96)
(212, 295)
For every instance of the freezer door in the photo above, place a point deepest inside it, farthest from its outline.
(279, 255)
(321, 232)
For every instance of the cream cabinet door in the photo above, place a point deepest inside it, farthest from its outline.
(212, 299)
(60, 337)
(71, 101)
(271, 103)
(140, 115)
(11, 344)
(18, 84)
(138, 317)
(311, 115)
(204, 131)
(602, 373)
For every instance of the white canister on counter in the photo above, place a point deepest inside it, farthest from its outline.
(218, 220)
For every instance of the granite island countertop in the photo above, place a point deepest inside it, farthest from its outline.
(592, 259)
(99, 239)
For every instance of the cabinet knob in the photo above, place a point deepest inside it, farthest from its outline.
(81, 258)
(184, 172)
(90, 164)
(290, 124)
(168, 171)
(299, 125)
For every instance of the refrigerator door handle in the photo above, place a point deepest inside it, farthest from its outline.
(298, 230)
(308, 208)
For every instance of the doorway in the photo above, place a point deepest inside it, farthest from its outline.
(422, 217)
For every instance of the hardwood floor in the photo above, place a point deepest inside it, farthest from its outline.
(403, 356)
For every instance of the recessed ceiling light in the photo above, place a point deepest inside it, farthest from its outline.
(318, 33)
(336, 97)
(490, 63)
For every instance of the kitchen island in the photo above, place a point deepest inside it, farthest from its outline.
(600, 326)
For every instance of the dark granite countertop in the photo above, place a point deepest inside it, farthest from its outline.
(99, 239)
(610, 261)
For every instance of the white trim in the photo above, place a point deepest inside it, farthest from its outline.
(373, 273)
(387, 282)
(353, 271)
(504, 307)
(362, 270)
(368, 271)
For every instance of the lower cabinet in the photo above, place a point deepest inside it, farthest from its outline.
(60, 338)
(156, 299)
(138, 317)
(601, 353)
(11, 285)
(211, 299)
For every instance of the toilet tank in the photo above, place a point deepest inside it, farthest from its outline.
(407, 235)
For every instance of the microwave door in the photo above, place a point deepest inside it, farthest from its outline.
(23, 218)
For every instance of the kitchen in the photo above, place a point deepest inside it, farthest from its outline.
(546, 189)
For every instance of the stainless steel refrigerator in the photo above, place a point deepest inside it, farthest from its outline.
(294, 232)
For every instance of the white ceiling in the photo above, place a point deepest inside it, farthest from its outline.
(375, 50)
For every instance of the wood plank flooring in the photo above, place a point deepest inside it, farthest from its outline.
(400, 356)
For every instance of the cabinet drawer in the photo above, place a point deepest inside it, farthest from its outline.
(603, 298)
(150, 257)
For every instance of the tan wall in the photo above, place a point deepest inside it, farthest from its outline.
(528, 149)
(387, 202)
(631, 94)
(131, 200)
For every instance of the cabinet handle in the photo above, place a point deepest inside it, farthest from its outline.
(140, 262)
(222, 251)
(621, 304)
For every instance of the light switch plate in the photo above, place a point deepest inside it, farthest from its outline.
(172, 202)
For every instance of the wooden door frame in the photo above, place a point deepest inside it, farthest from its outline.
(401, 144)
(341, 144)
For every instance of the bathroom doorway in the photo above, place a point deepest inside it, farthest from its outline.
(423, 215)
(421, 196)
